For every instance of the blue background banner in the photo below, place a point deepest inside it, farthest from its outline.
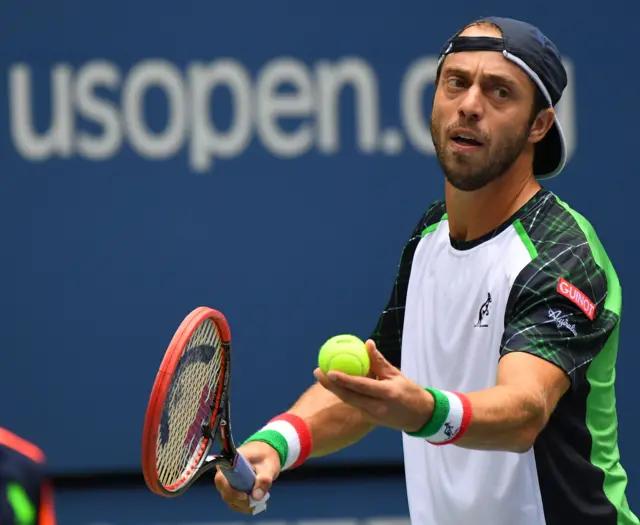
(268, 159)
(366, 502)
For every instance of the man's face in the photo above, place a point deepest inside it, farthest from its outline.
(481, 114)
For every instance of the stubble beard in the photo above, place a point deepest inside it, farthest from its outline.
(466, 173)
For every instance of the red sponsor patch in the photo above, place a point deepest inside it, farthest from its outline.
(577, 297)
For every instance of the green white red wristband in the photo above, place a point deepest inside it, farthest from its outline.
(450, 419)
(289, 435)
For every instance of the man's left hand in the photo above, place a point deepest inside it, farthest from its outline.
(386, 397)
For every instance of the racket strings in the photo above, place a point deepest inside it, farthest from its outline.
(181, 443)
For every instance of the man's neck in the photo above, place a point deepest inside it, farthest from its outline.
(474, 214)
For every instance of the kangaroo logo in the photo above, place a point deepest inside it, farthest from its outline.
(483, 313)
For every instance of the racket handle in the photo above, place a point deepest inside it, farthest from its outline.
(241, 477)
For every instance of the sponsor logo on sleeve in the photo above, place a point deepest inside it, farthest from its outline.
(578, 298)
(562, 321)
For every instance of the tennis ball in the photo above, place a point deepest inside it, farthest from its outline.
(344, 353)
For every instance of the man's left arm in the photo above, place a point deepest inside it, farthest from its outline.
(510, 415)
(556, 323)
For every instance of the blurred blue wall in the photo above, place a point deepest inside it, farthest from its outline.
(267, 159)
(364, 502)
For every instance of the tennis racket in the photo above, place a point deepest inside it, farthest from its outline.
(188, 411)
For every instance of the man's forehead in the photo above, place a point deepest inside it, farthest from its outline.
(487, 60)
(486, 63)
(481, 30)
(492, 63)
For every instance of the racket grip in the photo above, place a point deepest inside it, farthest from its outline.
(241, 477)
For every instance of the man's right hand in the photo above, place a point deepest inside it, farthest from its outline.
(265, 461)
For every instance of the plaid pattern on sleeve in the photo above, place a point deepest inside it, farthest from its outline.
(388, 331)
(550, 309)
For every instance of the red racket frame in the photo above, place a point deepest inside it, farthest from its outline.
(161, 387)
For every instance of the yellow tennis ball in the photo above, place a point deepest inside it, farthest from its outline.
(344, 353)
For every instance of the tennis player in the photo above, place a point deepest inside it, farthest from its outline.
(26, 497)
(496, 353)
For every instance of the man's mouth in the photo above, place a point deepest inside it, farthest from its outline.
(463, 139)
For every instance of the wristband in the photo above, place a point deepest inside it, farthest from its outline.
(289, 435)
(450, 418)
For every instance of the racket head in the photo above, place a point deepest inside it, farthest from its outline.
(192, 378)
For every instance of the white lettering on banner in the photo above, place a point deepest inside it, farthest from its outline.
(207, 141)
(307, 95)
(58, 140)
(276, 105)
(566, 110)
(167, 77)
(418, 78)
(102, 112)
(331, 80)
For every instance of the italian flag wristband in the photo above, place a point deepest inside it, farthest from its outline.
(289, 435)
(450, 419)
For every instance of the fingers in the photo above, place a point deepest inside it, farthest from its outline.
(262, 485)
(266, 463)
(236, 500)
(369, 406)
(331, 383)
(380, 367)
(346, 386)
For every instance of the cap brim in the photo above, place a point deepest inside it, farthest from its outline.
(550, 154)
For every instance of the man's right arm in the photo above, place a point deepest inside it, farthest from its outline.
(333, 424)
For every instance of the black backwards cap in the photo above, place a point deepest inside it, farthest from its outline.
(526, 46)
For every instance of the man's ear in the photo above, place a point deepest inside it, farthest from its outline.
(541, 125)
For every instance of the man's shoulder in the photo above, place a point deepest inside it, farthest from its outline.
(550, 223)
(435, 213)
(567, 254)
(554, 227)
